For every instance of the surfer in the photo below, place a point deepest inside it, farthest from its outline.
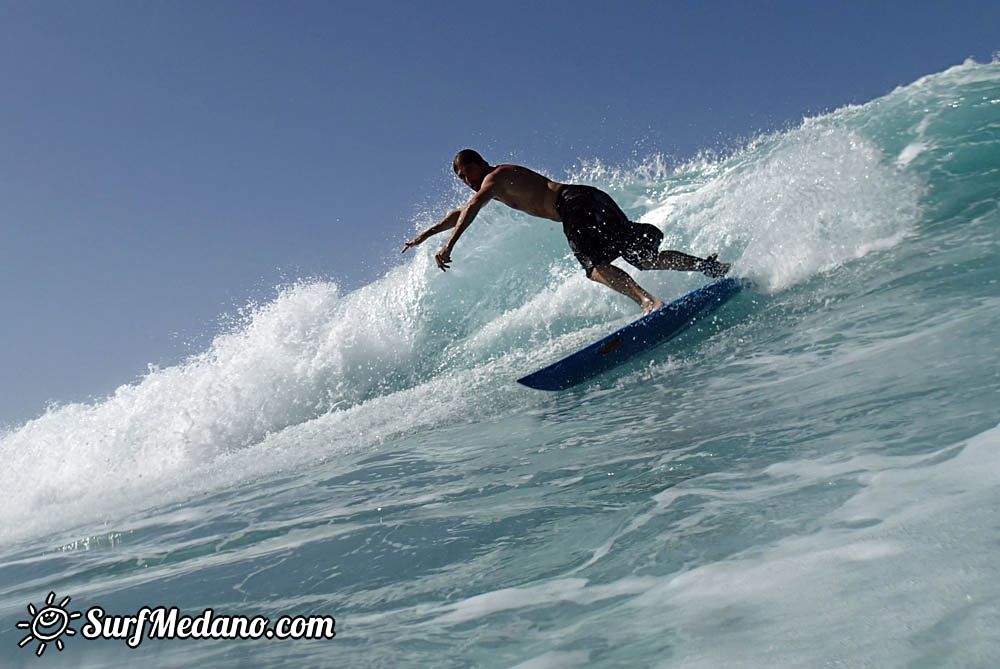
(596, 228)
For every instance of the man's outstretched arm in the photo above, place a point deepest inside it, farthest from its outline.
(446, 223)
(468, 213)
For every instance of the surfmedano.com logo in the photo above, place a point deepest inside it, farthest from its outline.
(48, 624)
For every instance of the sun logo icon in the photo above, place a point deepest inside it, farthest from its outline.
(48, 624)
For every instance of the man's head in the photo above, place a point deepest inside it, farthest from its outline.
(471, 168)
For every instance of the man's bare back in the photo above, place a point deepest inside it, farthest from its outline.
(597, 230)
(525, 190)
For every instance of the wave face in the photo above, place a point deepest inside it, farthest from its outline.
(819, 468)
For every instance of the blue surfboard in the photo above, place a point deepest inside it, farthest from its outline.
(634, 338)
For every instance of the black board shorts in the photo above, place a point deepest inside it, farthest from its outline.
(598, 231)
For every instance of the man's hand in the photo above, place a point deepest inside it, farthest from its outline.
(443, 258)
(408, 245)
(464, 216)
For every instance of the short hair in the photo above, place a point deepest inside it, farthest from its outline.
(467, 156)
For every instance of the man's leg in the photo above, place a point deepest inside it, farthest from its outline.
(687, 263)
(674, 260)
(617, 279)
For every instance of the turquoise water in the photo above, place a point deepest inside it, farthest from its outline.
(811, 481)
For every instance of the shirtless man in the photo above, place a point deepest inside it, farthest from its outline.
(597, 230)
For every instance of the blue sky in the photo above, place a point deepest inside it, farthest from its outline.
(161, 163)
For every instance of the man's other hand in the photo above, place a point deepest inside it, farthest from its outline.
(443, 258)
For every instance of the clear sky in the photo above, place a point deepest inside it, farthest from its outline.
(161, 163)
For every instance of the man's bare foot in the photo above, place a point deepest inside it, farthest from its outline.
(649, 306)
(711, 266)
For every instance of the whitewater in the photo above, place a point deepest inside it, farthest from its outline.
(811, 479)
